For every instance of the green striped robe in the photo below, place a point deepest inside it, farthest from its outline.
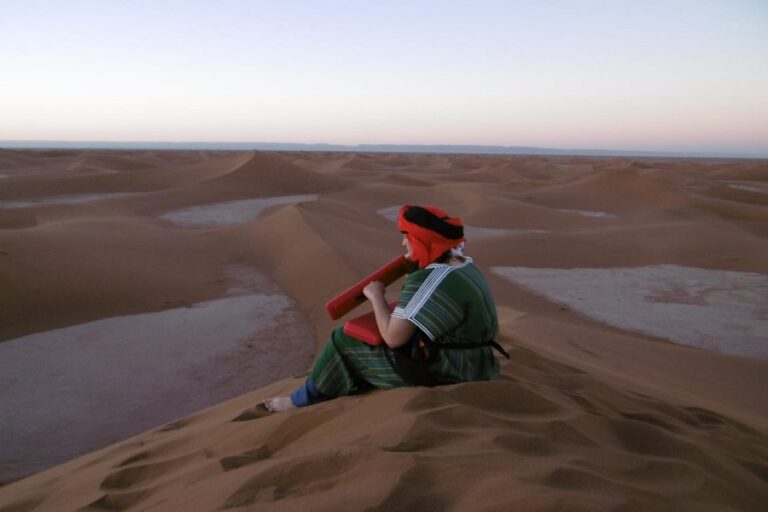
(453, 304)
(450, 304)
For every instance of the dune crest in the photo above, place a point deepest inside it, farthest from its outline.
(267, 174)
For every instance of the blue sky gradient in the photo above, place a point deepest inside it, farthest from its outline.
(672, 75)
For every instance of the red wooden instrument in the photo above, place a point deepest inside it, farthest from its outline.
(353, 297)
(364, 327)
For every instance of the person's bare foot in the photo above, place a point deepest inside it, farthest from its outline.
(278, 404)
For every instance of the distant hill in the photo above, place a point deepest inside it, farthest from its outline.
(363, 148)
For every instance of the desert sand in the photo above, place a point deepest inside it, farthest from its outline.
(149, 300)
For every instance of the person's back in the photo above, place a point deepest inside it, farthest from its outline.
(453, 306)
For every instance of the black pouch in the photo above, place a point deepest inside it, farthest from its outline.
(412, 359)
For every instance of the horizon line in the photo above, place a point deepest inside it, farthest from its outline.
(487, 149)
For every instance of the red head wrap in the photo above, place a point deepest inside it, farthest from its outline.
(430, 232)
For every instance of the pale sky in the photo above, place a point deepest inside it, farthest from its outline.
(668, 75)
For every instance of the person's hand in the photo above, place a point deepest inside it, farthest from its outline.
(374, 290)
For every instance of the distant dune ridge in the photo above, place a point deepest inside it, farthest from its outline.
(593, 412)
(434, 149)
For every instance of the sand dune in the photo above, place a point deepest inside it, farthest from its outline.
(741, 171)
(264, 174)
(236, 177)
(600, 262)
(114, 162)
(611, 191)
(94, 174)
(59, 274)
(22, 160)
(738, 193)
(363, 162)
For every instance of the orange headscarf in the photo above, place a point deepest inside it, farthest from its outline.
(430, 231)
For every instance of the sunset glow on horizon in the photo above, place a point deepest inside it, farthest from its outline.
(656, 75)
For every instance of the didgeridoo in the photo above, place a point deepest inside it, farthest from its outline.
(353, 297)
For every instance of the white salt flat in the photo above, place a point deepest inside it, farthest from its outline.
(719, 310)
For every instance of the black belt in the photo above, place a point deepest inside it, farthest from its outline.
(489, 343)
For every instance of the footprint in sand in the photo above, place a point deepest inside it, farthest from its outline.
(121, 501)
(245, 458)
(130, 477)
(256, 412)
(300, 476)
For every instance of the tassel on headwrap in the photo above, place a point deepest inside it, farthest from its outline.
(431, 232)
